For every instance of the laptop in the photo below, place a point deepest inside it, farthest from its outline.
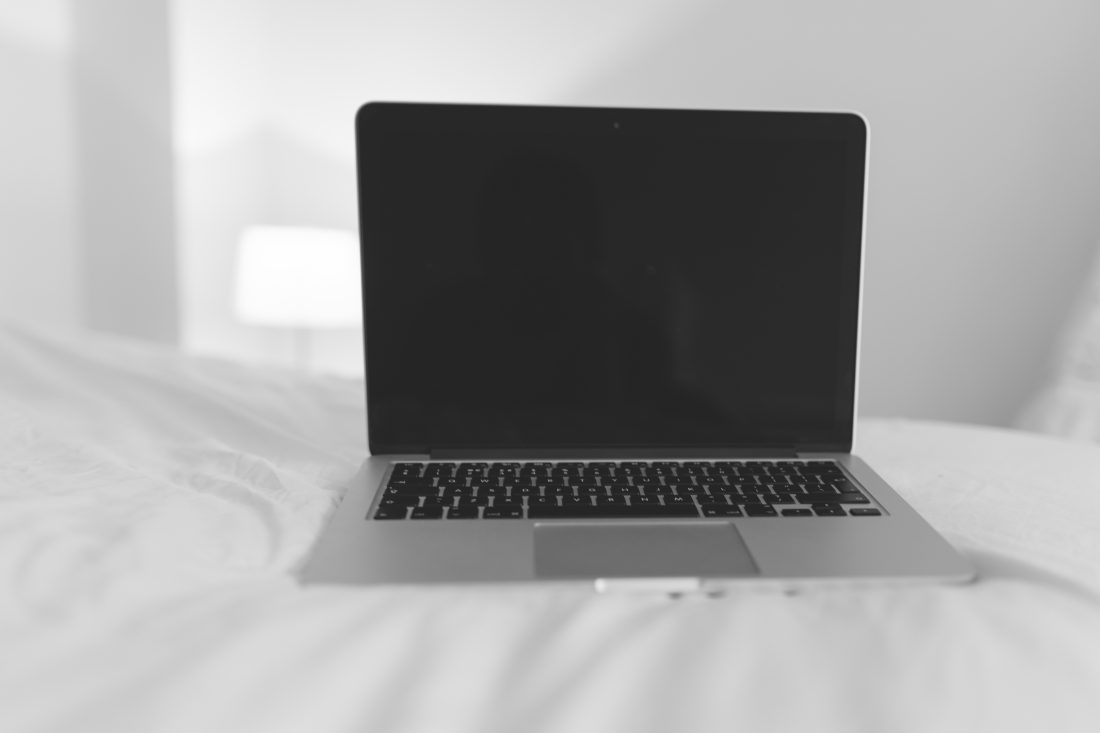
(616, 347)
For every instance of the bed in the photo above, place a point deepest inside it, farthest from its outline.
(154, 509)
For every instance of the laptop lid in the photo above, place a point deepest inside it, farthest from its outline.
(586, 280)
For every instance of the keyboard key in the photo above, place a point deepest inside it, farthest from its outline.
(399, 501)
(604, 512)
(816, 497)
(852, 497)
(412, 489)
(611, 501)
(828, 510)
(796, 513)
(720, 510)
(503, 513)
(391, 512)
(427, 512)
(865, 512)
(462, 512)
(760, 511)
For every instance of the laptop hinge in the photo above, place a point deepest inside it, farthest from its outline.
(462, 454)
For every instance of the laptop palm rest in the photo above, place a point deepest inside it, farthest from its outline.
(640, 550)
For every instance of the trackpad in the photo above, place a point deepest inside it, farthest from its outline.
(640, 550)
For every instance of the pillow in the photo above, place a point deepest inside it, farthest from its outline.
(1069, 405)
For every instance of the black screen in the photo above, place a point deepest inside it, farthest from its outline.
(557, 278)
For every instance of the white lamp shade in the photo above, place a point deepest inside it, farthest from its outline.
(298, 277)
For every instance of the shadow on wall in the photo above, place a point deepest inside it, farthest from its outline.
(265, 176)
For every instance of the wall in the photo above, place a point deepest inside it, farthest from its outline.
(985, 160)
(86, 203)
(39, 278)
(127, 227)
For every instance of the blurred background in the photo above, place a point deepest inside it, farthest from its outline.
(142, 140)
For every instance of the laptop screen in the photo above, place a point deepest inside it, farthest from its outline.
(575, 278)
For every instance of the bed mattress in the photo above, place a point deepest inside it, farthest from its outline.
(154, 509)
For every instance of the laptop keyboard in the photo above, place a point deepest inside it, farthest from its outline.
(620, 489)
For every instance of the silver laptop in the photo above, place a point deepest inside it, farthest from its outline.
(615, 347)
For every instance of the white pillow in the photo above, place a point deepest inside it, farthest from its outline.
(1069, 406)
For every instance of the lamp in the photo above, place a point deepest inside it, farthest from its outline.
(298, 278)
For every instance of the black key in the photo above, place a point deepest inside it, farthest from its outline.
(507, 505)
(451, 492)
(503, 513)
(610, 501)
(387, 512)
(842, 485)
(476, 501)
(760, 511)
(440, 469)
(865, 512)
(399, 501)
(720, 500)
(663, 491)
(412, 489)
(576, 501)
(720, 510)
(828, 510)
(406, 470)
(427, 512)
(851, 497)
(462, 512)
(627, 511)
(779, 499)
(816, 497)
(796, 513)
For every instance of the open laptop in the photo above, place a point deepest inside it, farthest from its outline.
(615, 346)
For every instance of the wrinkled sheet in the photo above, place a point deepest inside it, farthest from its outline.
(154, 508)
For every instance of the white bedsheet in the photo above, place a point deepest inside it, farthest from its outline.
(153, 509)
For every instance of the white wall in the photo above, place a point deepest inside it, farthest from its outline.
(985, 163)
(86, 203)
(39, 279)
(127, 228)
